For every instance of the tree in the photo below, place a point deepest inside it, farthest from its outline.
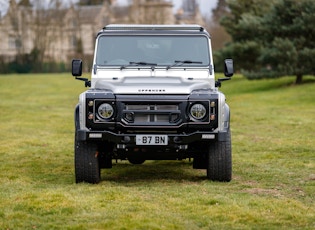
(291, 48)
(272, 38)
(219, 11)
(220, 36)
(241, 24)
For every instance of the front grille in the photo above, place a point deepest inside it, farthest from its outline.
(151, 114)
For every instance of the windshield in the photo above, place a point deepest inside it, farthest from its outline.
(153, 50)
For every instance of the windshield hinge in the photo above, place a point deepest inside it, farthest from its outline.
(94, 69)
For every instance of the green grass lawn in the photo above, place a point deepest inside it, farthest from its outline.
(273, 186)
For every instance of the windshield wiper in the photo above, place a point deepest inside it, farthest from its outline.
(142, 63)
(132, 63)
(179, 63)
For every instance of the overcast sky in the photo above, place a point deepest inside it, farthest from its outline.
(205, 5)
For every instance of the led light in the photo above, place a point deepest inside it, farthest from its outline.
(212, 117)
(105, 111)
(90, 116)
(198, 111)
(212, 104)
(208, 136)
(91, 103)
(95, 135)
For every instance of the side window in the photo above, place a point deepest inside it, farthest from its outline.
(14, 43)
(73, 41)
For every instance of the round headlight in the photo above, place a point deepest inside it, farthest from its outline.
(198, 111)
(105, 111)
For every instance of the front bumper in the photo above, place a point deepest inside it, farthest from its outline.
(130, 139)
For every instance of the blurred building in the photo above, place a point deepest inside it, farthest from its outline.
(189, 13)
(59, 34)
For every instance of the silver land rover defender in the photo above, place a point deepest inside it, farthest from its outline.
(153, 96)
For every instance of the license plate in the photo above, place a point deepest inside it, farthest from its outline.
(151, 139)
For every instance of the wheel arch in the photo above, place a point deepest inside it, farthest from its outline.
(76, 117)
(226, 120)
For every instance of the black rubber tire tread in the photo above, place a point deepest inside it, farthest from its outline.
(220, 160)
(86, 159)
(87, 167)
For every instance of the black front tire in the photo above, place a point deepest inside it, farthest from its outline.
(87, 168)
(219, 160)
(86, 158)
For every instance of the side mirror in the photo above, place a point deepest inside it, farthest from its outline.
(228, 67)
(77, 72)
(228, 72)
(76, 67)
